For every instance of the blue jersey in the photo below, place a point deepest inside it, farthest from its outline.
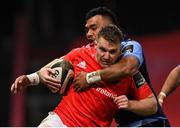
(132, 48)
(129, 119)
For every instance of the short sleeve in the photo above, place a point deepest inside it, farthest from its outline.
(132, 48)
(139, 87)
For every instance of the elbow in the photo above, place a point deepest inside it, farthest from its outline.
(131, 65)
(154, 107)
(129, 70)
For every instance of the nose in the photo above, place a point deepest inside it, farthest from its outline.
(106, 56)
(89, 34)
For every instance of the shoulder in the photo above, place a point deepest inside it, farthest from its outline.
(131, 45)
(130, 42)
(78, 49)
(178, 66)
(177, 69)
(84, 49)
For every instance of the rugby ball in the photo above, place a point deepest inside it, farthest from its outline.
(64, 71)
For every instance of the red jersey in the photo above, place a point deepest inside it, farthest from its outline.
(94, 106)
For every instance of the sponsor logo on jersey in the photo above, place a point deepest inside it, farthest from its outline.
(128, 49)
(139, 79)
(82, 64)
(106, 93)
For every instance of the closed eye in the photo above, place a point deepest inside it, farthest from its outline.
(112, 51)
(102, 49)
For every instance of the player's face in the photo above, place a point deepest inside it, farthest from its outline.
(94, 25)
(107, 53)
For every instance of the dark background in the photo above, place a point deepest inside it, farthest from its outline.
(34, 32)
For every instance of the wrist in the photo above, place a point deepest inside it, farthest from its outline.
(161, 97)
(33, 78)
(93, 77)
(162, 94)
(160, 101)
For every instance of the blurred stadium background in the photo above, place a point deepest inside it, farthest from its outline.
(33, 32)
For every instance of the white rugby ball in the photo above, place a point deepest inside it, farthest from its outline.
(64, 71)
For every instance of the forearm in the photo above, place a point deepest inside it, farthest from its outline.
(125, 67)
(172, 81)
(169, 86)
(34, 78)
(143, 107)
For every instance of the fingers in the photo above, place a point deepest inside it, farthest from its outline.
(52, 88)
(13, 90)
(52, 83)
(160, 102)
(161, 98)
(78, 74)
(46, 76)
(79, 82)
(75, 84)
(77, 88)
(121, 98)
(18, 84)
(121, 101)
(51, 71)
(52, 80)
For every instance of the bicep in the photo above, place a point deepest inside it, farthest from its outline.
(132, 63)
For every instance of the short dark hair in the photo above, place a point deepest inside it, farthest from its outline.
(104, 11)
(111, 33)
